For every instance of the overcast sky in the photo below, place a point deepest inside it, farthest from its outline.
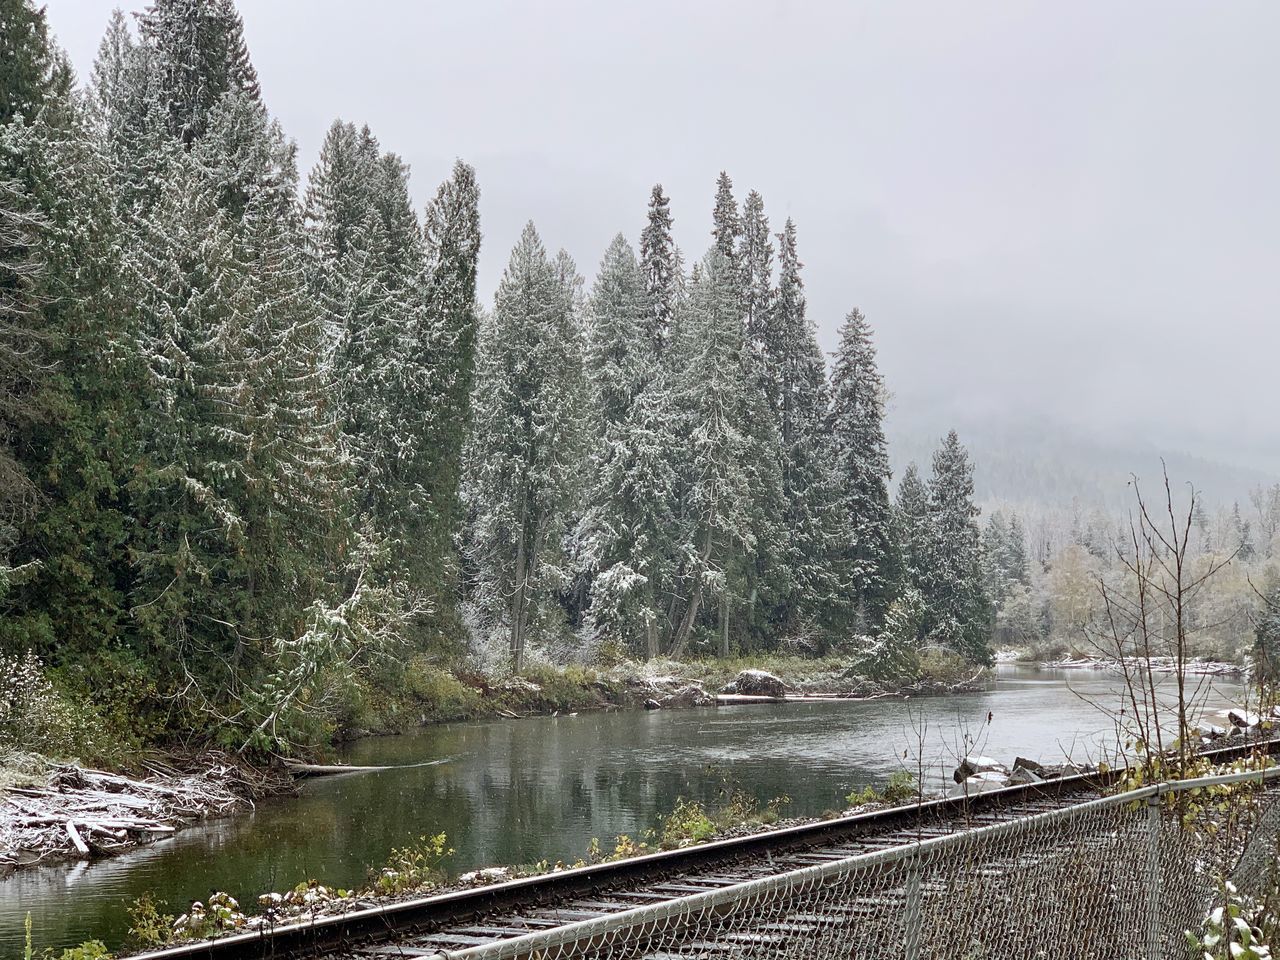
(1057, 212)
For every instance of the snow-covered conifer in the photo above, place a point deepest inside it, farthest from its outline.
(525, 450)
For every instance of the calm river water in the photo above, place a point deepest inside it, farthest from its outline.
(527, 790)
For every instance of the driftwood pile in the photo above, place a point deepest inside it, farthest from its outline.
(80, 813)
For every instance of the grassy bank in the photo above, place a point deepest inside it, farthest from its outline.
(430, 693)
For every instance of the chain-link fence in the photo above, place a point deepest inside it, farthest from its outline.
(1118, 877)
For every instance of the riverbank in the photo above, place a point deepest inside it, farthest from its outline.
(432, 694)
(1192, 666)
(52, 811)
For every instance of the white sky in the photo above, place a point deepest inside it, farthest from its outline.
(1049, 211)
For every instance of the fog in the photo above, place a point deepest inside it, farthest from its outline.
(1060, 218)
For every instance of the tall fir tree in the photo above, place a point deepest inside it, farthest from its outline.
(523, 458)
(451, 240)
(756, 255)
(860, 462)
(68, 339)
(627, 527)
(660, 263)
(959, 611)
(728, 477)
(199, 55)
(911, 528)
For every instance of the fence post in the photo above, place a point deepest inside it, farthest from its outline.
(1153, 878)
(911, 928)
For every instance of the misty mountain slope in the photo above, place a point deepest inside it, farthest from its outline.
(1051, 464)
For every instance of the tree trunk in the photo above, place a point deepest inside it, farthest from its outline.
(681, 638)
(724, 627)
(519, 582)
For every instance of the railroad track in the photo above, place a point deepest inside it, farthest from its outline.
(463, 919)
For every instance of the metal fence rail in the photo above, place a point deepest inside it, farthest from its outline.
(1119, 877)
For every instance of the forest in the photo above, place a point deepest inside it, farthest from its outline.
(266, 460)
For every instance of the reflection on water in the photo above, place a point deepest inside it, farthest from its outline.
(523, 791)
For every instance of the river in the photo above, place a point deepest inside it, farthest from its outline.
(520, 791)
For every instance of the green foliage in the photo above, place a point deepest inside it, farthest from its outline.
(89, 950)
(415, 867)
(901, 789)
(148, 925)
(439, 694)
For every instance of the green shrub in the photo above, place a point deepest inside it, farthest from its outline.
(938, 665)
(902, 788)
(415, 867)
(89, 950)
(148, 926)
(439, 694)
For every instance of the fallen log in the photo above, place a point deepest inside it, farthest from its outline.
(330, 769)
(76, 839)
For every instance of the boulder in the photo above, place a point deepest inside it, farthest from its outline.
(758, 683)
(972, 766)
(690, 694)
(980, 783)
(1210, 731)
(1022, 775)
(652, 704)
(1030, 765)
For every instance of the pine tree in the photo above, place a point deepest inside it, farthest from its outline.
(129, 108)
(995, 538)
(1015, 553)
(786, 363)
(523, 458)
(958, 609)
(627, 528)
(199, 56)
(68, 378)
(726, 224)
(659, 262)
(860, 461)
(727, 476)
(756, 255)
(32, 69)
(367, 267)
(911, 528)
(451, 238)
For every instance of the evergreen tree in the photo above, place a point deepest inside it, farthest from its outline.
(756, 255)
(788, 366)
(911, 523)
(68, 378)
(958, 609)
(370, 275)
(995, 539)
(660, 264)
(523, 457)
(451, 237)
(727, 476)
(860, 460)
(1015, 553)
(32, 69)
(199, 55)
(627, 529)
(726, 226)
